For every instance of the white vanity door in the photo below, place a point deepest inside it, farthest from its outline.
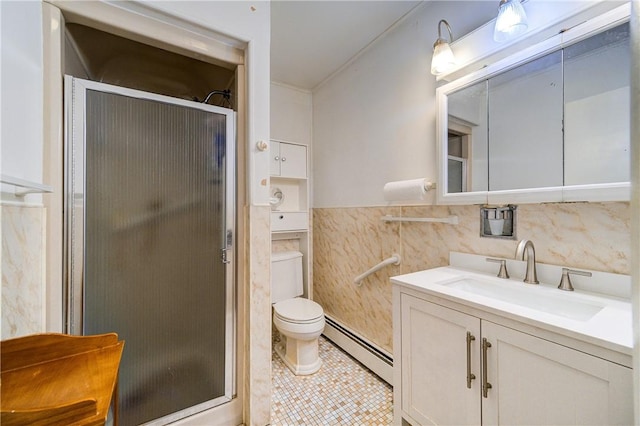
(434, 364)
(293, 159)
(537, 382)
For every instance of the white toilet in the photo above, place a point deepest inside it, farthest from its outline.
(300, 321)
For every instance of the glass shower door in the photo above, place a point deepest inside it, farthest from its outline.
(150, 226)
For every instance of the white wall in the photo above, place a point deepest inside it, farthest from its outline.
(21, 91)
(291, 114)
(21, 156)
(374, 122)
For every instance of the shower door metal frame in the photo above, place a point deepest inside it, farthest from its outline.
(74, 227)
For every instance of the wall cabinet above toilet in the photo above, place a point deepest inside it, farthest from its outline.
(289, 187)
(288, 160)
(289, 199)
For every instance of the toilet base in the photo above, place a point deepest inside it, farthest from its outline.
(300, 356)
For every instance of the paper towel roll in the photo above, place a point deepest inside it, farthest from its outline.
(403, 190)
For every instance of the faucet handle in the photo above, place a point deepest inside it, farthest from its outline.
(565, 281)
(503, 266)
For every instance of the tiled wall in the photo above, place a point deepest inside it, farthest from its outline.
(258, 311)
(348, 241)
(23, 230)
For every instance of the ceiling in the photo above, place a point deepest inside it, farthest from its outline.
(312, 39)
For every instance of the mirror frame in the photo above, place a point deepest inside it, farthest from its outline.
(618, 191)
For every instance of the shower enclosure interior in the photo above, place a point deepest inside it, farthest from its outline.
(149, 216)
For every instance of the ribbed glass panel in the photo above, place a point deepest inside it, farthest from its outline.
(154, 226)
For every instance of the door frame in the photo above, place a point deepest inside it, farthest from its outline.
(74, 229)
(182, 37)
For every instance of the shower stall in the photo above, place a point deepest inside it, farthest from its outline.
(150, 228)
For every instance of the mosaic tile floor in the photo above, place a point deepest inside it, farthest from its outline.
(343, 392)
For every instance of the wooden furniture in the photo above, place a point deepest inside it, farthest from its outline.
(57, 379)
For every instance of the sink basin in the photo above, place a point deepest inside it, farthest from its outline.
(533, 297)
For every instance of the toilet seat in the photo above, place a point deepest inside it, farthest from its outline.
(298, 311)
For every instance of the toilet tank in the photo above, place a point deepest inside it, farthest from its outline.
(286, 275)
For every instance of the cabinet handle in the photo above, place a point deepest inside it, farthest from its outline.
(470, 375)
(485, 384)
(284, 158)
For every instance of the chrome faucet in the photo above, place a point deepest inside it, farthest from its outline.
(527, 246)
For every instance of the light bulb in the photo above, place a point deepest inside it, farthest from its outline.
(511, 20)
(443, 59)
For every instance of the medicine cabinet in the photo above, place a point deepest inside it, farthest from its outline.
(549, 124)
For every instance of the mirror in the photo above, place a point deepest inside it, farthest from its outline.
(525, 125)
(543, 127)
(596, 108)
(467, 138)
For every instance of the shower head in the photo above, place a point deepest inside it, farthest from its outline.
(226, 97)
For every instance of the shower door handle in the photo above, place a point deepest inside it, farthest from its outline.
(223, 256)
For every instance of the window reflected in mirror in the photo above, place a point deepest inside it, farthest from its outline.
(457, 162)
(467, 139)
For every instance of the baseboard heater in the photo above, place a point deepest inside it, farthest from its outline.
(370, 355)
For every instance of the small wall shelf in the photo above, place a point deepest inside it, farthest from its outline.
(453, 220)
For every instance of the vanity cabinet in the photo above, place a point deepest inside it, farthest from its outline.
(459, 368)
(433, 355)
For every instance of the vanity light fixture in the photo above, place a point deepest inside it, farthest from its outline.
(511, 20)
(443, 59)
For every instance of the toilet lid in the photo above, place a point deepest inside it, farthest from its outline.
(298, 310)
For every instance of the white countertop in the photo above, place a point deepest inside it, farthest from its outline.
(610, 328)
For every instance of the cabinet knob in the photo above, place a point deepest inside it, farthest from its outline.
(276, 158)
(284, 158)
(281, 217)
